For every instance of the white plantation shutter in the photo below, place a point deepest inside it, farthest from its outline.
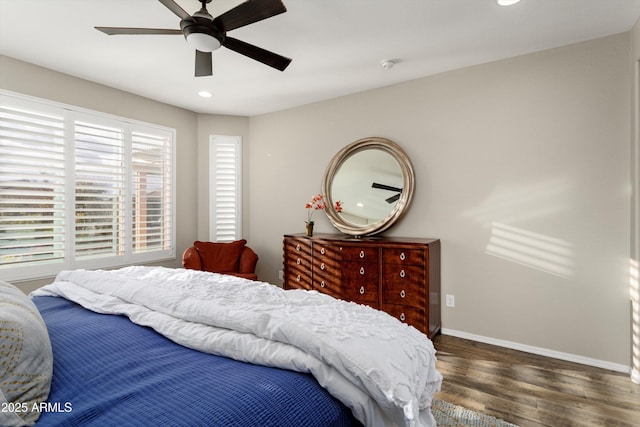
(32, 202)
(80, 189)
(152, 190)
(99, 190)
(225, 188)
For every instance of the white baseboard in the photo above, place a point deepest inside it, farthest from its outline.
(540, 351)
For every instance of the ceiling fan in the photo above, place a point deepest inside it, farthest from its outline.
(388, 188)
(207, 34)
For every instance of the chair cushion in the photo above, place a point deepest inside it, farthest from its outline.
(248, 261)
(191, 259)
(220, 257)
(26, 360)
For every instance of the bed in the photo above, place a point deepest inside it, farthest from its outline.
(172, 347)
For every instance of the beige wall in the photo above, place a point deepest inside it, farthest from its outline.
(40, 82)
(534, 147)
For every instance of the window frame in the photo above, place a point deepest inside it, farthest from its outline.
(71, 114)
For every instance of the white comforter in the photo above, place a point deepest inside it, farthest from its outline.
(382, 369)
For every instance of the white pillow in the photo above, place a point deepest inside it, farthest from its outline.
(26, 360)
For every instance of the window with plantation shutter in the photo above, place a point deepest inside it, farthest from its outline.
(99, 190)
(225, 188)
(151, 181)
(80, 189)
(32, 186)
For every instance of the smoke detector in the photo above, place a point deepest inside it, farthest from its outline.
(387, 64)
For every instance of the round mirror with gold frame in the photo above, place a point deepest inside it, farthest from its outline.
(374, 180)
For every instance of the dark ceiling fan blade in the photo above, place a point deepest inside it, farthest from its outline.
(204, 64)
(249, 12)
(175, 8)
(271, 59)
(392, 198)
(123, 30)
(386, 187)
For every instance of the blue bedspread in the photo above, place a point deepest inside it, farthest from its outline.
(110, 372)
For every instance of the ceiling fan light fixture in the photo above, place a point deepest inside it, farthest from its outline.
(203, 42)
(507, 2)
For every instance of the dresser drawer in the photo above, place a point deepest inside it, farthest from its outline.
(297, 248)
(297, 278)
(327, 276)
(360, 282)
(411, 294)
(329, 287)
(366, 294)
(298, 262)
(357, 253)
(403, 256)
(402, 274)
(326, 266)
(326, 251)
(326, 259)
(413, 316)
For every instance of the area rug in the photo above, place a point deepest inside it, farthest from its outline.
(449, 415)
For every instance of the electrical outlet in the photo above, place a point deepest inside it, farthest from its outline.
(451, 301)
(280, 274)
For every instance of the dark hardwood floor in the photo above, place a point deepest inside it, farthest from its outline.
(531, 390)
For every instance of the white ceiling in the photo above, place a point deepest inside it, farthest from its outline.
(336, 45)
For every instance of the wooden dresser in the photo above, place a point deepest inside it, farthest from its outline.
(397, 275)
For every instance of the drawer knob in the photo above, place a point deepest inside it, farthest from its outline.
(402, 256)
(322, 251)
(298, 278)
(402, 294)
(362, 271)
(403, 317)
(402, 273)
(361, 290)
(322, 266)
(298, 261)
(297, 247)
(322, 284)
(361, 254)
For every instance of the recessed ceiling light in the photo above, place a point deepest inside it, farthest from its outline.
(507, 2)
(205, 94)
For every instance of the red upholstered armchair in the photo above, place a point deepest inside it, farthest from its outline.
(233, 258)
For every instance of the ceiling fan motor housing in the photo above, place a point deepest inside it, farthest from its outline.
(199, 33)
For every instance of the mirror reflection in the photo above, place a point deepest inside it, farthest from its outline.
(369, 183)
